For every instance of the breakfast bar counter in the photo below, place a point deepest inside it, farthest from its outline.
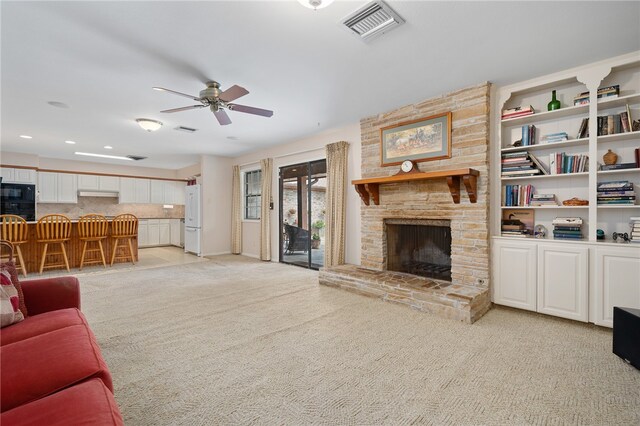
(32, 250)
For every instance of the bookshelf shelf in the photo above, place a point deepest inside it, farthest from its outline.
(547, 115)
(615, 207)
(619, 101)
(540, 177)
(619, 137)
(620, 171)
(546, 207)
(555, 145)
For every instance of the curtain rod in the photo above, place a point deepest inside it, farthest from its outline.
(282, 156)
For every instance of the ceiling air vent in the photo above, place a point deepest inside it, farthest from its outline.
(136, 157)
(372, 20)
(186, 129)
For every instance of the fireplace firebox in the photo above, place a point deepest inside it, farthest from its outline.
(419, 247)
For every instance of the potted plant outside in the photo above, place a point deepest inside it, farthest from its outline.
(315, 241)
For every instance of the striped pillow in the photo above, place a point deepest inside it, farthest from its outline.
(9, 301)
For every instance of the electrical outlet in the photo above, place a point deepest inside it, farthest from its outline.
(480, 281)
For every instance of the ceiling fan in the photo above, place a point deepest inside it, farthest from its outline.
(218, 101)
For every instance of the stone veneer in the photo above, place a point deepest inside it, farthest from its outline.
(431, 199)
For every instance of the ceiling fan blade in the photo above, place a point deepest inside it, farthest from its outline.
(250, 110)
(162, 89)
(183, 108)
(232, 93)
(222, 117)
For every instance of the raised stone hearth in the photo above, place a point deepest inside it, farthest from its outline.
(454, 301)
(466, 296)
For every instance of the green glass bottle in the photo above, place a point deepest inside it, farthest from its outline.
(554, 104)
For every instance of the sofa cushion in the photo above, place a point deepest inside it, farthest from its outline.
(88, 403)
(10, 266)
(9, 301)
(40, 324)
(41, 365)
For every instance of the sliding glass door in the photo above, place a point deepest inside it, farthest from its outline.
(302, 208)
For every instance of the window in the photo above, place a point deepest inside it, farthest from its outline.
(252, 194)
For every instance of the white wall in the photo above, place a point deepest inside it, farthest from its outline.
(216, 180)
(307, 149)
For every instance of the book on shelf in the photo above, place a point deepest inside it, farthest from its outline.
(555, 137)
(517, 195)
(616, 193)
(617, 185)
(567, 228)
(635, 229)
(522, 163)
(544, 200)
(517, 112)
(620, 166)
(604, 92)
(528, 135)
(561, 163)
(517, 223)
(583, 131)
(636, 152)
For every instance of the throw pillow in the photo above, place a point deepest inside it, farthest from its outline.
(10, 266)
(9, 303)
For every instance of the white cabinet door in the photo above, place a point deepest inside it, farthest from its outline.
(109, 183)
(164, 232)
(8, 174)
(143, 191)
(143, 233)
(24, 176)
(88, 182)
(154, 232)
(168, 191)
(617, 281)
(514, 274)
(157, 191)
(127, 191)
(47, 187)
(563, 281)
(67, 188)
(175, 232)
(178, 192)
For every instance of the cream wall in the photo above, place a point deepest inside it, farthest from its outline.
(307, 149)
(215, 178)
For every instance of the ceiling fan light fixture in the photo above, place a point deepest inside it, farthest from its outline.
(148, 124)
(315, 4)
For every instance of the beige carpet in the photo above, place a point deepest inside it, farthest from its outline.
(237, 341)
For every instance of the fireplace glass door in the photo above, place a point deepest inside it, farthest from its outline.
(302, 208)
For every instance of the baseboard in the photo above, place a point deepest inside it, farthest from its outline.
(255, 256)
(215, 254)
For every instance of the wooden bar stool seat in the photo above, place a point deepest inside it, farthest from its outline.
(92, 228)
(54, 229)
(14, 230)
(124, 227)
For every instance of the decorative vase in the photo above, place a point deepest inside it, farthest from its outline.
(610, 158)
(554, 104)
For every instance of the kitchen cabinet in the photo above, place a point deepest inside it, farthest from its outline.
(515, 274)
(176, 232)
(617, 281)
(14, 175)
(164, 233)
(143, 233)
(134, 191)
(563, 281)
(98, 183)
(154, 232)
(157, 191)
(57, 188)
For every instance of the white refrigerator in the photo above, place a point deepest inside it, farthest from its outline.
(193, 220)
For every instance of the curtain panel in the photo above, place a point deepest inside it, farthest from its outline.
(236, 212)
(266, 166)
(335, 217)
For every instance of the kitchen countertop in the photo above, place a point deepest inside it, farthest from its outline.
(109, 218)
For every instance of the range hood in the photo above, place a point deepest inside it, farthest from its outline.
(106, 194)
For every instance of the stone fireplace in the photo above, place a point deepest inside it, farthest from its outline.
(419, 247)
(451, 277)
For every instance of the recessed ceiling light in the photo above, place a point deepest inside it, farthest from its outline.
(26, 137)
(58, 104)
(70, 142)
(108, 147)
(114, 157)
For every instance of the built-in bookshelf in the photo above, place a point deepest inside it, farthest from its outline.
(577, 134)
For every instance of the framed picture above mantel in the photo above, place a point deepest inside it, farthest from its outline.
(424, 139)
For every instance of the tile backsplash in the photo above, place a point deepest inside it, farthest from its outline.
(109, 207)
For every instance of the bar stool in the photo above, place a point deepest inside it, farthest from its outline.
(54, 229)
(92, 228)
(124, 227)
(14, 230)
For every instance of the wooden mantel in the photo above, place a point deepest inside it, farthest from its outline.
(369, 189)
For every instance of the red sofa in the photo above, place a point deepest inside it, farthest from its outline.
(52, 369)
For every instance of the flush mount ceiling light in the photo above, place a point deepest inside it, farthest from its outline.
(315, 4)
(26, 137)
(113, 157)
(148, 124)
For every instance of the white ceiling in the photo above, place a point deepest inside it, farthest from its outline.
(102, 58)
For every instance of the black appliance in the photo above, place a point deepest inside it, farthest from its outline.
(18, 199)
(626, 334)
